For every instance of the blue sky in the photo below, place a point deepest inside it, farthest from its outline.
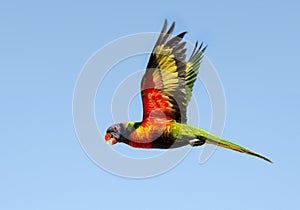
(254, 46)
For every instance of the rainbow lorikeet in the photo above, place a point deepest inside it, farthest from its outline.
(166, 90)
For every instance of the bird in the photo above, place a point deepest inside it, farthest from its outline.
(166, 90)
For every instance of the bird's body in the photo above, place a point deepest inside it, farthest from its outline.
(166, 134)
(166, 90)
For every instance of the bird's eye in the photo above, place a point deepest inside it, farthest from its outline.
(115, 128)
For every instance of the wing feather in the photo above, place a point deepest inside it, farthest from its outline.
(168, 81)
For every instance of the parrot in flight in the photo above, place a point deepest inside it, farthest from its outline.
(166, 90)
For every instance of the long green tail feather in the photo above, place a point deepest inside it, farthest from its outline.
(210, 139)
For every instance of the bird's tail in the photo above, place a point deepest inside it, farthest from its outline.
(211, 139)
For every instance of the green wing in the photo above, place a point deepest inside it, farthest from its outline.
(192, 69)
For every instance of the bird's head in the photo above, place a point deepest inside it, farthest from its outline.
(114, 133)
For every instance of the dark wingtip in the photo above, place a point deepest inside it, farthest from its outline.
(171, 29)
(163, 30)
(181, 35)
(204, 48)
(199, 48)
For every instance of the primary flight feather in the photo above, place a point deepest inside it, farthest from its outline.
(166, 90)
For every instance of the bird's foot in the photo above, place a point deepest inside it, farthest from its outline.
(196, 142)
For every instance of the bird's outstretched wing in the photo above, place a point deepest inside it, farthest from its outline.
(167, 84)
(192, 69)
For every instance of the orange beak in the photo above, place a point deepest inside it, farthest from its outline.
(108, 136)
(110, 140)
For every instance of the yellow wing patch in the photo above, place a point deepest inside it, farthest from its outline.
(166, 76)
